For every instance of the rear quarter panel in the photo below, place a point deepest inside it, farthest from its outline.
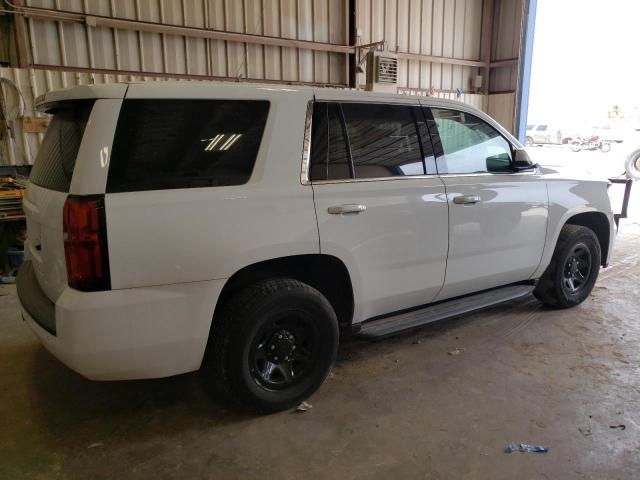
(187, 235)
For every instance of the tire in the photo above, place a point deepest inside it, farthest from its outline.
(605, 147)
(528, 142)
(576, 146)
(554, 287)
(260, 325)
(632, 165)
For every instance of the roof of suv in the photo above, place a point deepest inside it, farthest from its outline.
(119, 90)
(207, 89)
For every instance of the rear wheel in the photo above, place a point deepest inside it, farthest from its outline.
(573, 271)
(576, 146)
(528, 141)
(273, 344)
(605, 147)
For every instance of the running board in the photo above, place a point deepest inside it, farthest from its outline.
(447, 309)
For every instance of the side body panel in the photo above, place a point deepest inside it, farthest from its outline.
(497, 221)
(396, 249)
(567, 198)
(498, 240)
(197, 234)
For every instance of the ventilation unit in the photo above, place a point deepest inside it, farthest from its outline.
(382, 71)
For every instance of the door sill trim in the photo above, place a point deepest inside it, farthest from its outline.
(388, 325)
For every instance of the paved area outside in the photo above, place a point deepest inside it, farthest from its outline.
(593, 163)
(400, 408)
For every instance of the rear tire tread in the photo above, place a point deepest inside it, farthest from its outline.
(233, 314)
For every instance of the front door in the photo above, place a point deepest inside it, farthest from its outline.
(497, 217)
(380, 206)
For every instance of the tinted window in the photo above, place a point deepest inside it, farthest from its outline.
(53, 167)
(470, 145)
(329, 151)
(162, 144)
(383, 140)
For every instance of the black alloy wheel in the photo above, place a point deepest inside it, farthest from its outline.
(577, 268)
(284, 352)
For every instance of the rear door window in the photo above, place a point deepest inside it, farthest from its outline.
(56, 160)
(165, 144)
(384, 140)
(366, 140)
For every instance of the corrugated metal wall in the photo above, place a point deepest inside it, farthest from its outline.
(22, 147)
(440, 28)
(503, 82)
(507, 30)
(449, 28)
(76, 45)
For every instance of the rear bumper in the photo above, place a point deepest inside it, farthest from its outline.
(130, 334)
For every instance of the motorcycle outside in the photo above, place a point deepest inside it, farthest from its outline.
(590, 143)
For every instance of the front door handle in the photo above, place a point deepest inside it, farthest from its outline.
(346, 209)
(466, 200)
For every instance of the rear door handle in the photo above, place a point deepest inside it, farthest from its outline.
(466, 200)
(346, 209)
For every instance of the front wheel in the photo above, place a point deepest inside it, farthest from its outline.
(605, 147)
(576, 146)
(573, 270)
(528, 141)
(273, 344)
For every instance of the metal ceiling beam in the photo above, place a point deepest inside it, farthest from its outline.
(486, 38)
(22, 58)
(436, 59)
(194, 32)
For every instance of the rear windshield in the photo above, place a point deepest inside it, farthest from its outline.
(56, 158)
(162, 144)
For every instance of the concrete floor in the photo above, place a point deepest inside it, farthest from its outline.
(400, 408)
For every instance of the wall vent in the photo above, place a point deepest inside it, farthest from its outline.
(387, 71)
(382, 71)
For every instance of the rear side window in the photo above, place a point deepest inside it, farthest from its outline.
(53, 167)
(357, 141)
(469, 144)
(163, 144)
(384, 140)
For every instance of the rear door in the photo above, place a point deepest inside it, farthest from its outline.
(497, 217)
(380, 206)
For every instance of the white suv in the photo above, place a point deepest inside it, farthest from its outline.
(245, 227)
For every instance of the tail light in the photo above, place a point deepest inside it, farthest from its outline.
(85, 243)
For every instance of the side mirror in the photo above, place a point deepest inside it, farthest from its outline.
(521, 161)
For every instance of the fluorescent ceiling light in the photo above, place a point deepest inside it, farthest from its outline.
(214, 141)
(232, 139)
